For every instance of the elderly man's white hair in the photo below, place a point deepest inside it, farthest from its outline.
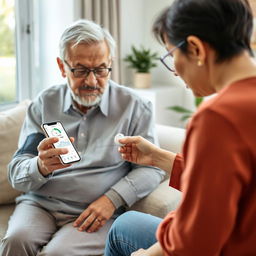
(87, 32)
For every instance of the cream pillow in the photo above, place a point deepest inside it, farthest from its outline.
(10, 124)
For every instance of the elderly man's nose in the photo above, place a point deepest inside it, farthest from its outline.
(91, 79)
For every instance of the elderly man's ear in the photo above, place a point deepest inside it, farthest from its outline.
(61, 67)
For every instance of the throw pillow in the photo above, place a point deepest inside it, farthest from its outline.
(10, 124)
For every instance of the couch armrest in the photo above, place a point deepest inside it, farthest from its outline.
(159, 202)
(170, 138)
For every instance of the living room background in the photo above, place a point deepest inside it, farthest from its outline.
(46, 20)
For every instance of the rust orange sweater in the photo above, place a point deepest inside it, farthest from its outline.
(217, 215)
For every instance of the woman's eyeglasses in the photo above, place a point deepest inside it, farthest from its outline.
(168, 60)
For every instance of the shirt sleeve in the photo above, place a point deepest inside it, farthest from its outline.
(23, 172)
(141, 180)
(215, 160)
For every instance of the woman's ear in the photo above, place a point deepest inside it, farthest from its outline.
(197, 50)
(61, 67)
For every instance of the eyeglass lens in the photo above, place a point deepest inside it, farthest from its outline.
(169, 62)
(100, 72)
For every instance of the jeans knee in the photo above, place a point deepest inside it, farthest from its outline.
(126, 223)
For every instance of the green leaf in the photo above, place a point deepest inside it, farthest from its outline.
(185, 117)
(180, 109)
(186, 112)
(141, 59)
(198, 101)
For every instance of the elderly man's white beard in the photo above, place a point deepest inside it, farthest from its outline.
(92, 100)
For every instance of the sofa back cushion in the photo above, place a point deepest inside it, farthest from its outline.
(170, 138)
(10, 125)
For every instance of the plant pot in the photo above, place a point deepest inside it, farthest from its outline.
(142, 80)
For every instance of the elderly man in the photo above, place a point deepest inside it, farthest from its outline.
(68, 209)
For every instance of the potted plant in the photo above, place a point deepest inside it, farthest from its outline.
(142, 60)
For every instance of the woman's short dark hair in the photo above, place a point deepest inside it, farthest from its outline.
(225, 24)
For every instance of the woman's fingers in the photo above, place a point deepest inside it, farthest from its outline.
(130, 139)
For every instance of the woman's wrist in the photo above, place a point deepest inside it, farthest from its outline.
(164, 159)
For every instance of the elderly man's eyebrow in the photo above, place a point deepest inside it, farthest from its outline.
(102, 65)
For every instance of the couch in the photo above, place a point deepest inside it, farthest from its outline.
(162, 200)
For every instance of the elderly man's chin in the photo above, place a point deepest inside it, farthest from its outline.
(87, 101)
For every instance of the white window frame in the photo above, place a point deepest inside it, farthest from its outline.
(24, 48)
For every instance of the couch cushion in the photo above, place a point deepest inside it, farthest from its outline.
(5, 211)
(10, 124)
(170, 138)
(159, 202)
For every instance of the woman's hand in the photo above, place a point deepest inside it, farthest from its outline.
(154, 250)
(140, 252)
(138, 150)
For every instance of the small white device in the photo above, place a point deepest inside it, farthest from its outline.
(117, 138)
(56, 129)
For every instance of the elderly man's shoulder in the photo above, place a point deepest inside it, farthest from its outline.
(54, 89)
(127, 93)
(53, 92)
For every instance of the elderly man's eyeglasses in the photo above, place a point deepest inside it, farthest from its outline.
(84, 72)
(168, 60)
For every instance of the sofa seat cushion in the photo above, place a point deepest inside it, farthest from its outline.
(10, 125)
(5, 213)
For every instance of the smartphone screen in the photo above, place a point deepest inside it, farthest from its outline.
(56, 129)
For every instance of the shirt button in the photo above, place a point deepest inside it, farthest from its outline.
(85, 118)
(82, 134)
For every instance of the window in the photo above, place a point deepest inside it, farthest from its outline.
(15, 51)
(35, 31)
(8, 91)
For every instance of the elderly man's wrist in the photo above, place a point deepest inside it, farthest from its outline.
(116, 199)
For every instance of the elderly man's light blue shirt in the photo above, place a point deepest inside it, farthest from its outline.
(101, 169)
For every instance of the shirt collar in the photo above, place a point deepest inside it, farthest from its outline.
(105, 100)
(67, 100)
(104, 103)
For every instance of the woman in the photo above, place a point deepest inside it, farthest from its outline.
(209, 42)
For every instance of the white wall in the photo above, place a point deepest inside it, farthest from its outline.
(137, 18)
(51, 18)
(132, 33)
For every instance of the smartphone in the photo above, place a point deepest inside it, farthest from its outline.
(56, 129)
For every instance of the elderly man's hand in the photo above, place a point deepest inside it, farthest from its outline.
(48, 156)
(96, 215)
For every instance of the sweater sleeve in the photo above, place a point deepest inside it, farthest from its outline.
(177, 170)
(215, 159)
